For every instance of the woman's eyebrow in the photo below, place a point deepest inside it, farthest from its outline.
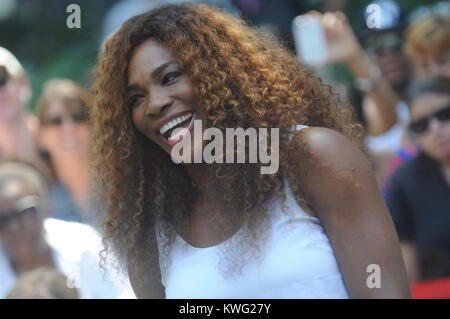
(161, 68)
(154, 75)
(130, 88)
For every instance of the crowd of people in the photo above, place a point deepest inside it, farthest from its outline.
(82, 167)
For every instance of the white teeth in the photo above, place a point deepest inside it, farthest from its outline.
(175, 136)
(175, 122)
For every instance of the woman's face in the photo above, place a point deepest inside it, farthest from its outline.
(428, 66)
(160, 96)
(65, 131)
(435, 141)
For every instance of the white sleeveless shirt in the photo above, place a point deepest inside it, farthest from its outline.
(297, 262)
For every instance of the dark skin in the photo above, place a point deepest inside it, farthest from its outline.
(23, 240)
(153, 70)
(356, 220)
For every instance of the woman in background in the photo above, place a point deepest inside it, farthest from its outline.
(64, 136)
(419, 193)
(428, 44)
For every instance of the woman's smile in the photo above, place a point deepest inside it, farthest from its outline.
(160, 96)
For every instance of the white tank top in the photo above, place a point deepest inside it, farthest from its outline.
(297, 262)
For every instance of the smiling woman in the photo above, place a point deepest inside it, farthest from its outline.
(63, 136)
(223, 230)
(166, 87)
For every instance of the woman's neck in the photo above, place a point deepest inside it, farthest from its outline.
(208, 223)
(206, 197)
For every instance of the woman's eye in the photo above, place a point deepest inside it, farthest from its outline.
(134, 100)
(171, 77)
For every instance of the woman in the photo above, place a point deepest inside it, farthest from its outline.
(217, 230)
(64, 136)
(428, 45)
(419, 193)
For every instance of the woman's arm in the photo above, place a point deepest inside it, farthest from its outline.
(343, 192)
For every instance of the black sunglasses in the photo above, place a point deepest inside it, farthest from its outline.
(58, 120)
(421, 126)
(27, 206)
(7, 218)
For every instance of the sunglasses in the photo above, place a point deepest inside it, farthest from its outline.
(421, 126)
(4, 76)
(58, 120)
(26, 206)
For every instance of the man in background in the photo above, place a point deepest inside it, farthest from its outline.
(17, 124)
(30, 240)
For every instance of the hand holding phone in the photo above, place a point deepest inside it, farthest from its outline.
(310, 41)
(323, 39)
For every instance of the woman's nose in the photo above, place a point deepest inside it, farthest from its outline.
(435, 125)
(67, 122)
(158, 100)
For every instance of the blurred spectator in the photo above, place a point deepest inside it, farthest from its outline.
(428, 44)
(406, 153)
(382, 108)
(384, 44)
(42, 283)
(17, 124)
(62, 110)
(30, 240)
(419, 194)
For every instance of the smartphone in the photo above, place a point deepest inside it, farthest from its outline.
(310, 41)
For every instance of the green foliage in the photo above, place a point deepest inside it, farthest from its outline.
(38, 36)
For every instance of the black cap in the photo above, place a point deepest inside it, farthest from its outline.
(382, 17)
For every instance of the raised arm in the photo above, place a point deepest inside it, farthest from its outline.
(379, 107)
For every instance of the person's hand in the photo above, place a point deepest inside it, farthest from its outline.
(342, 44)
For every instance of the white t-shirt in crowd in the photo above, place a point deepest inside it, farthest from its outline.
(391, 140)
(75, 249)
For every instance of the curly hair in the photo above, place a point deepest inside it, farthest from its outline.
(243, 78)
(428, 35)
